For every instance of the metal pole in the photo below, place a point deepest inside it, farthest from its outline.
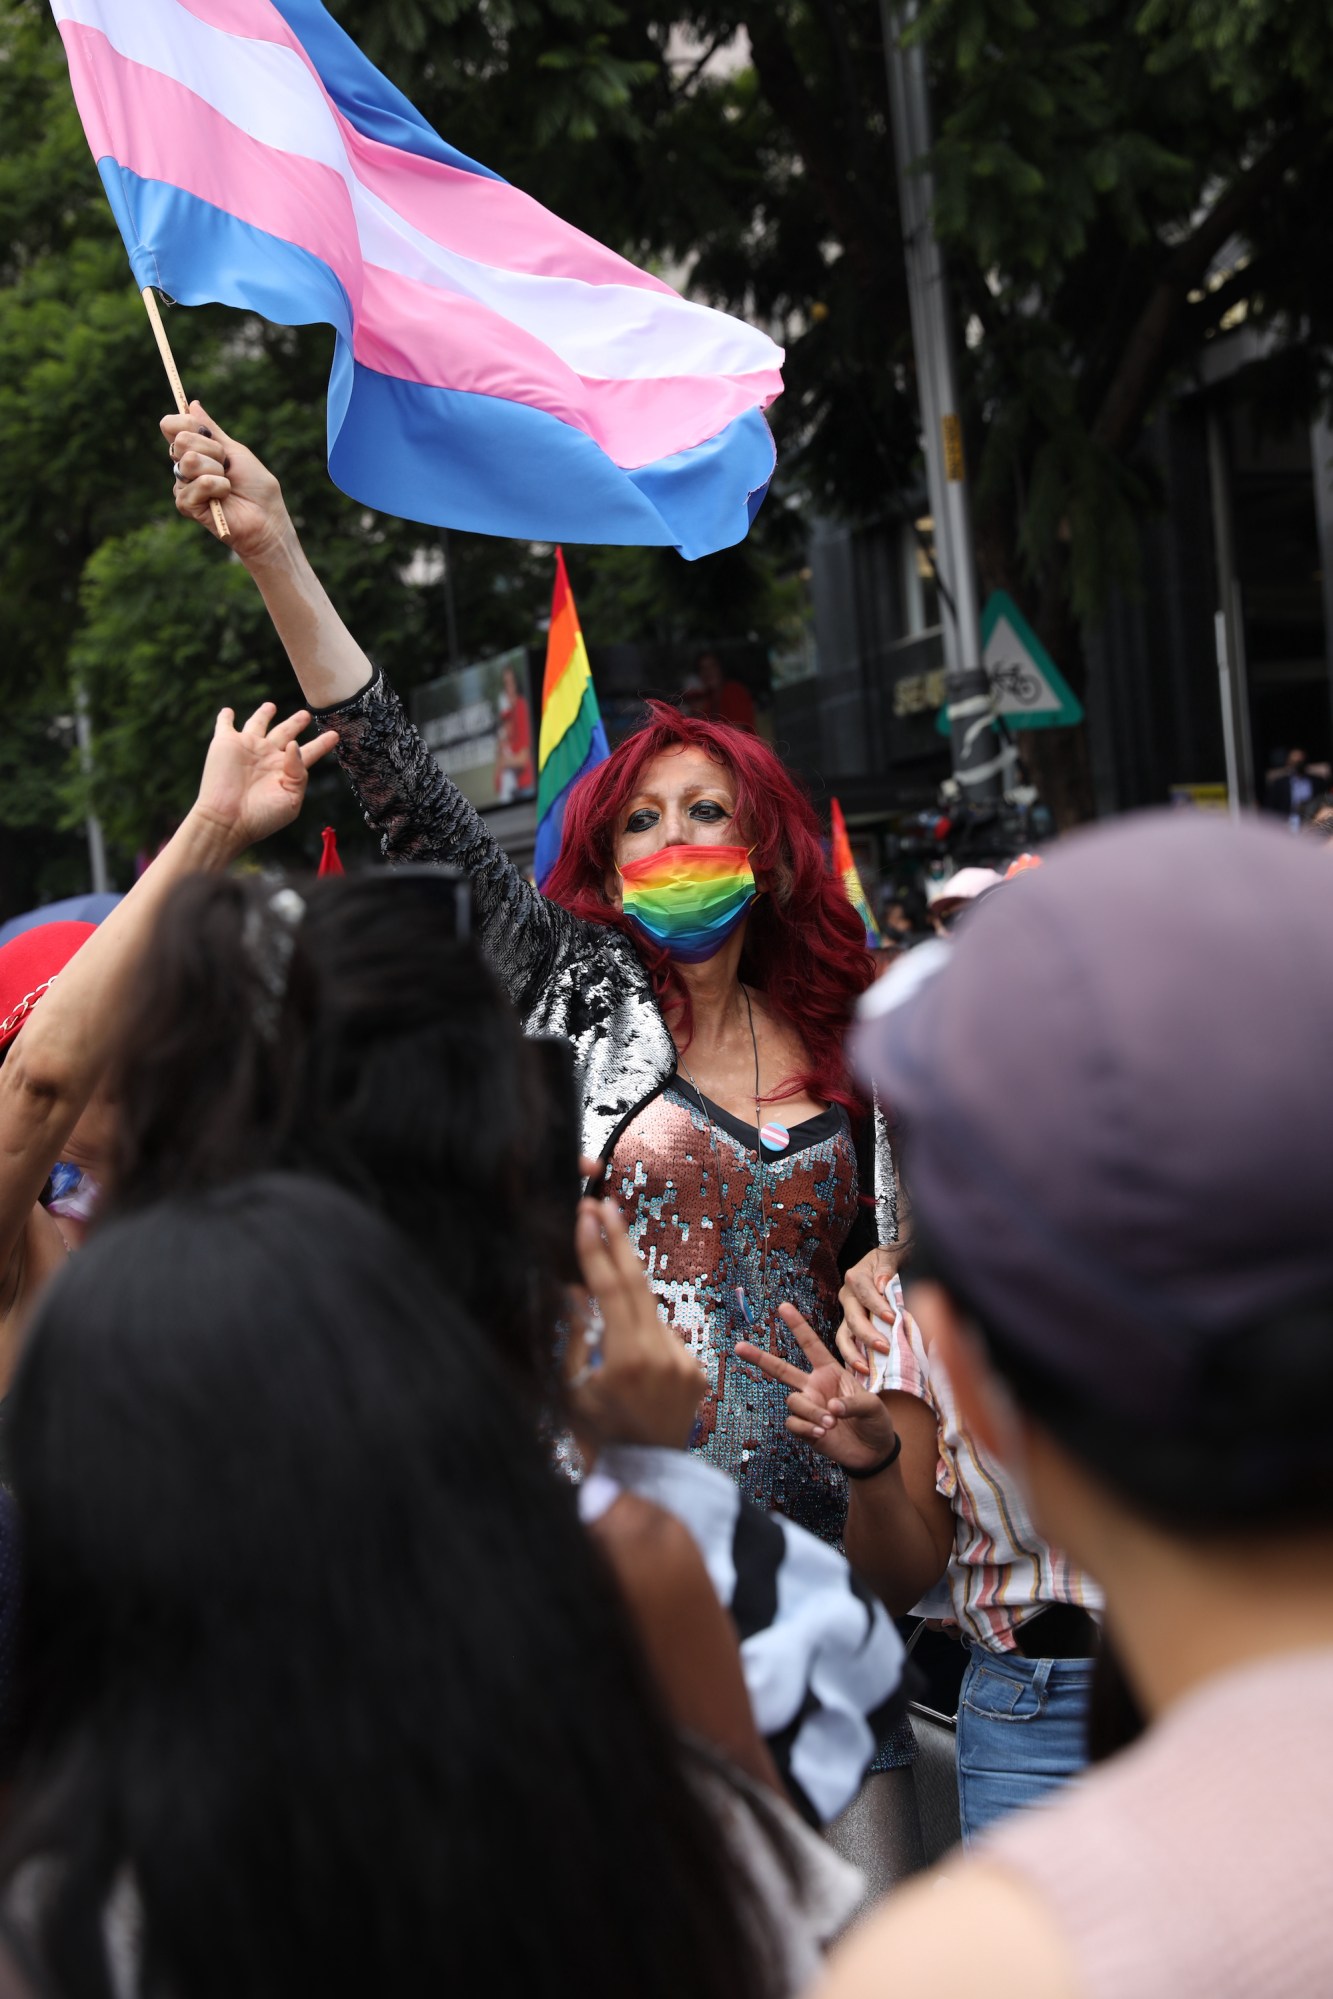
(1321, 454)
(83, 736)
(1229, 628)
(450, 607)
(918, 241)
(1228, 712)
(980, 759)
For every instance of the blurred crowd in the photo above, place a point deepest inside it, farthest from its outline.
(603, 1442)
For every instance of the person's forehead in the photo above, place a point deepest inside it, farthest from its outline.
(677, 770)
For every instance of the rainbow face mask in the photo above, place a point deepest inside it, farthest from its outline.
(687, 900)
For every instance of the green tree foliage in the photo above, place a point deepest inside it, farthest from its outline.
(1117, 186)
(99, 583)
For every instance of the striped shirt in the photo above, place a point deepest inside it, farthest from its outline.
(1001, 1571)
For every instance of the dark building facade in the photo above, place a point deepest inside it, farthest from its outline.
(1216, 665)
(862, 726)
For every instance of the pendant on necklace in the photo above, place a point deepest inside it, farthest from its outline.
(744, 1304)
(775, 1136)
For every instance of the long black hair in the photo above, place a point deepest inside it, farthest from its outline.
(315, 1653)
(352, 1033)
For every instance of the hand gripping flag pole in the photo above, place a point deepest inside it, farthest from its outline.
(178, 389)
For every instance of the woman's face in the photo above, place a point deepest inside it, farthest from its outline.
(683, 799)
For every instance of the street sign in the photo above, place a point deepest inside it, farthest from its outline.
(1030, 690)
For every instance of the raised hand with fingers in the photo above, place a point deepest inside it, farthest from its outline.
(828, 1405)
(645, 1387)
(254, 779)
(208, 465)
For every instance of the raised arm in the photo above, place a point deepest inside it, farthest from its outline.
(407, 800)
(253, 783)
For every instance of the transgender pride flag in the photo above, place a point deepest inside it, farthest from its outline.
(495, 369)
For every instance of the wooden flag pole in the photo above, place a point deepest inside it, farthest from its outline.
(178, 389)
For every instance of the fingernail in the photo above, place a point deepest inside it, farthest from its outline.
(204, 430)
(226, 464)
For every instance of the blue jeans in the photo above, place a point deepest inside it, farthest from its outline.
(1022, 1731)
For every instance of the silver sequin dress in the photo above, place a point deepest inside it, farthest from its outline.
(712, 1217)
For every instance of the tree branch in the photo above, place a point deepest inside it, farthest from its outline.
(682, 89)
(1144, 360)
(819, 145)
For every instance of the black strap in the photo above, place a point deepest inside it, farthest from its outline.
(873, 1471)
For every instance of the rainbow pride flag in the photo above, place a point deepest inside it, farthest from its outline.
(572, 738)
(845, 867)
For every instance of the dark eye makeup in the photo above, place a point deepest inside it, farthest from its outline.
(709, 810)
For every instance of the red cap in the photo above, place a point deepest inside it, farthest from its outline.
(28, 963)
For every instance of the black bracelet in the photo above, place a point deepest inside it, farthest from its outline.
(873, 1471)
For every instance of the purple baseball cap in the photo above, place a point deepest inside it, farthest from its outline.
(1116, 1094)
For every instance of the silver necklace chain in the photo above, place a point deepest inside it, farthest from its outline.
(739, 1289)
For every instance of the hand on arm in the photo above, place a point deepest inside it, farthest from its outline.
(254, 782)
(900, 1530)
(328, 662)
(865, 1287)
(645, 1387)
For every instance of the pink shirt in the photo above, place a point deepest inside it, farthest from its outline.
(1197, 1863)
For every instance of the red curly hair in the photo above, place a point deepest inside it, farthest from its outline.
(805, 947)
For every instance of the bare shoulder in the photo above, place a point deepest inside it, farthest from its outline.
(912, 1942)
(644, 1542)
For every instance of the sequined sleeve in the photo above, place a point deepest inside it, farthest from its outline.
(421, 815)
(889, 1215)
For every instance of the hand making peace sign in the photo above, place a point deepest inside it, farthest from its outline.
(828, 1406)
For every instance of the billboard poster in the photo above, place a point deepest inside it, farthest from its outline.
(480, 724)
